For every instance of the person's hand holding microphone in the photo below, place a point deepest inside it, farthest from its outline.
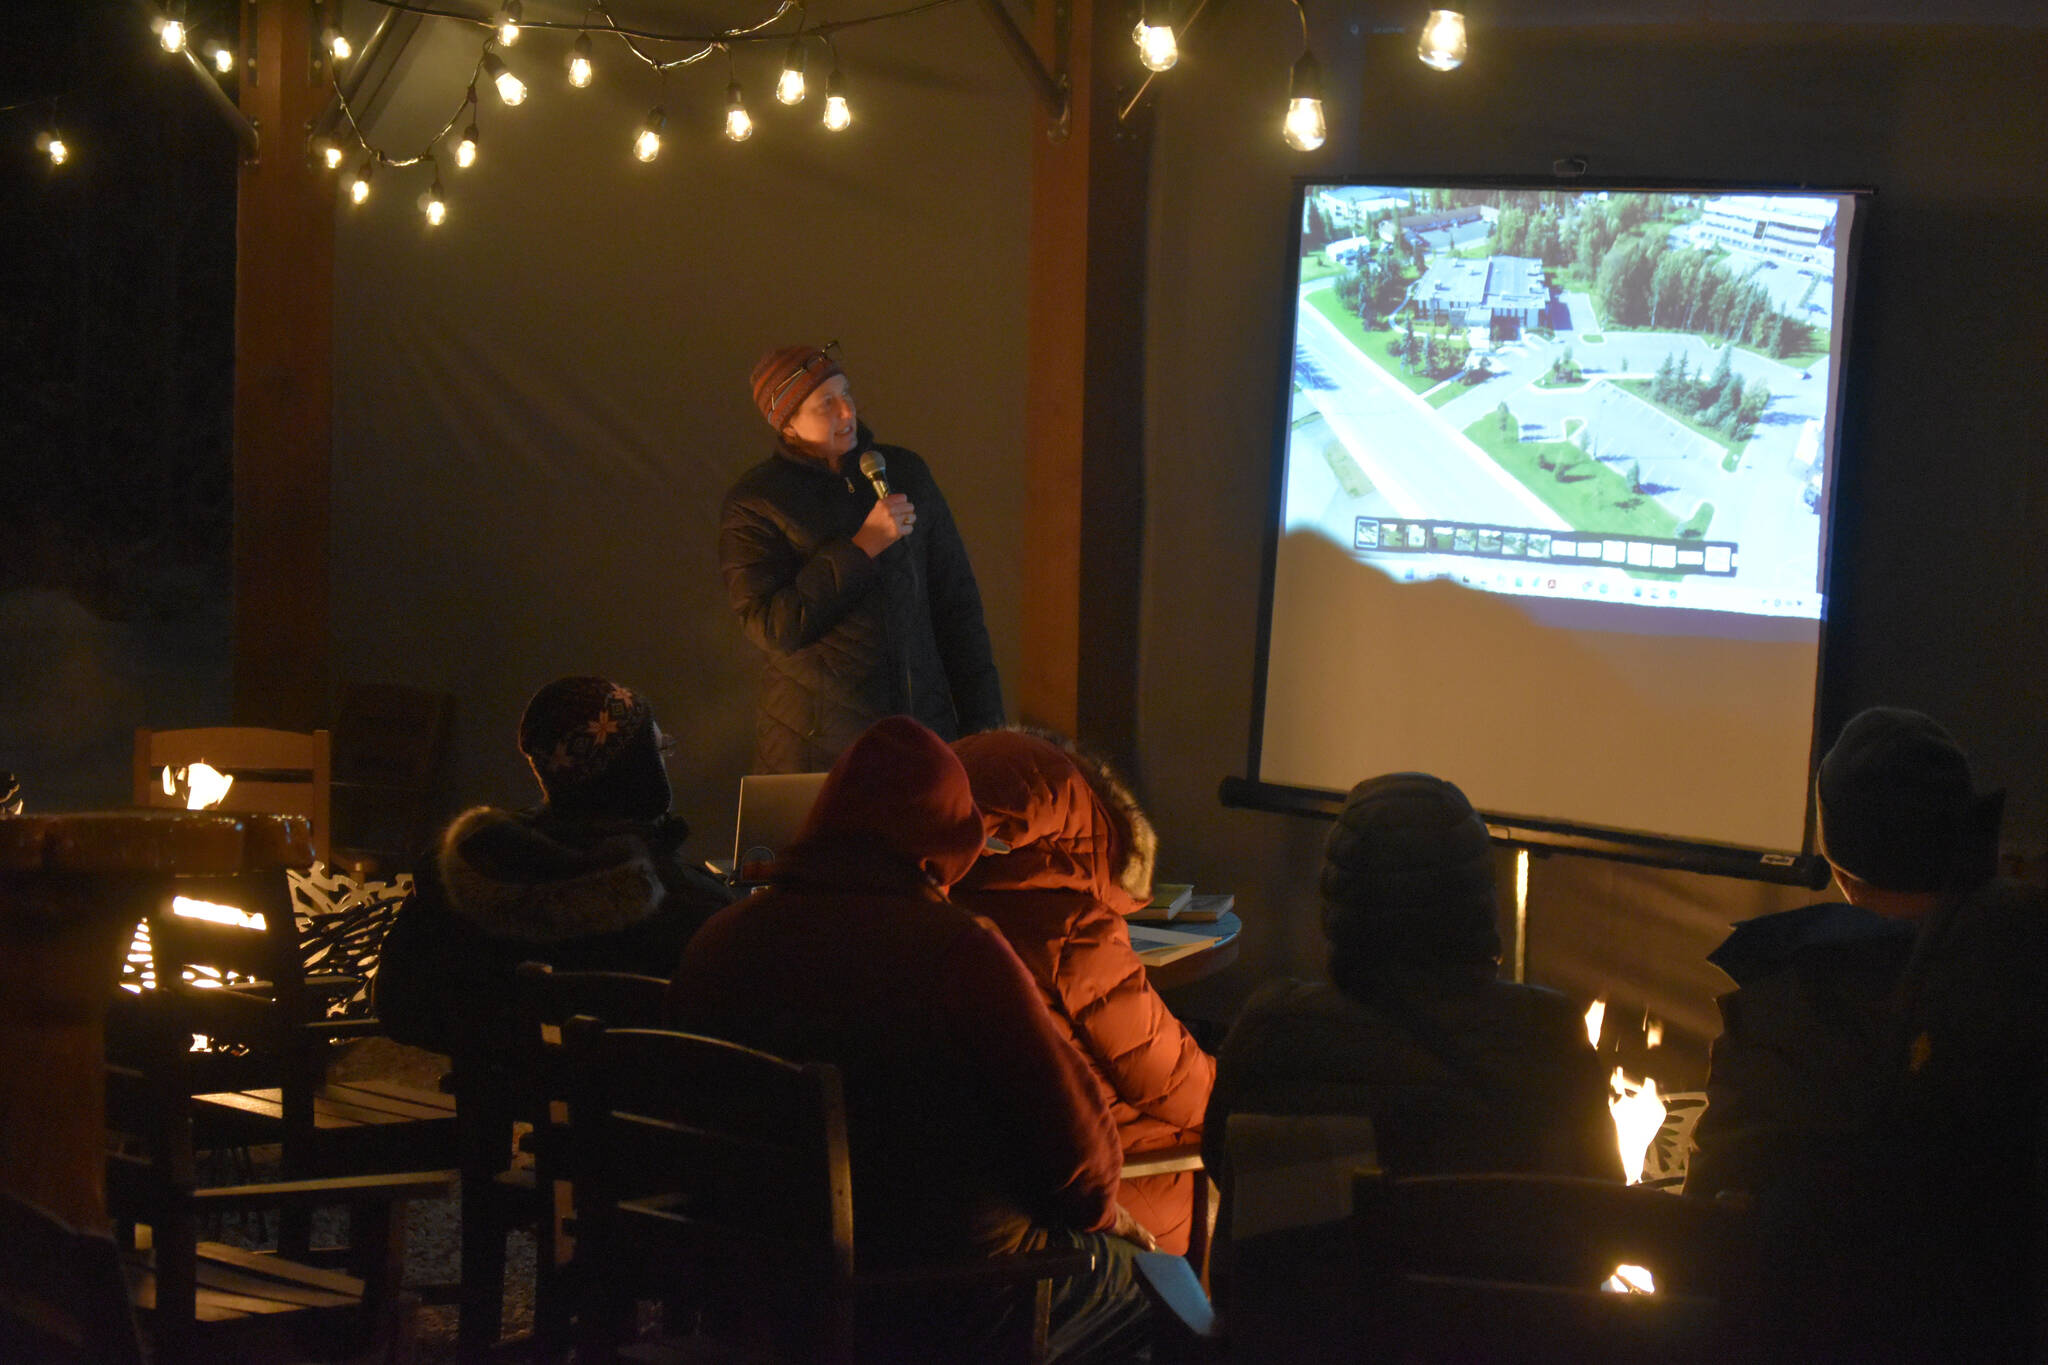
(892, 516)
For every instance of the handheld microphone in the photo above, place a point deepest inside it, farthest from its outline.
(877, 469)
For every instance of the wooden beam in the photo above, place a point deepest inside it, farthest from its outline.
(1084, 510)
(284, 380)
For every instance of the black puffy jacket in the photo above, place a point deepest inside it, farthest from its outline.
(850, 639)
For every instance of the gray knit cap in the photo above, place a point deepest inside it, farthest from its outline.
(1408, 875)
(1897, 802)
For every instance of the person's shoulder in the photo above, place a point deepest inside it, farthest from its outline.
(1758, 948)
(1286, 1003)
(761, 479)
(905, 465)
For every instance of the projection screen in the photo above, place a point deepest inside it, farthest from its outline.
(1552, 503)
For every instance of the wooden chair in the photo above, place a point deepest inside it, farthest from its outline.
(712, 1168)
(1477, 1268)
(390, 744)
(62, 1296)
(276, 772)
(507, 1076)
(208, 1301)
(263, 1079)
(1185, 1157)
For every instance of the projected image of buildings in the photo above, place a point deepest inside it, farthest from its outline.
(1583, 394)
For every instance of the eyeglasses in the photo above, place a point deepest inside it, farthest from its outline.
(809, 362)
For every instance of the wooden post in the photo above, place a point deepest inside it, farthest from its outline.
(1084, 510)
(284, 380)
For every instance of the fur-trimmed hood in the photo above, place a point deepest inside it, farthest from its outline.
(545, 880)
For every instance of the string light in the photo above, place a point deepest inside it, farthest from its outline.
(337, 44)
(433, 205)
(1443, 40)
(647, 146)
(223, 60)
(359, 188)
(739, 126)
(170, 28)
(465, 150)
(790, 88)
(1156, 46)
(330, 153)
(837, 115)
(579, 62)
(51, 144)
(508, 22)
(1303, 127)
(511, 89)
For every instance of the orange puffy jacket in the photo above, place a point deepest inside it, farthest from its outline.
(1078, 862)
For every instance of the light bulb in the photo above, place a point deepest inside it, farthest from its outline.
(790, 88)
(837, 115)
(223, 60)
(172, 35)
(359, 188)
(738, 125)
(337, 44)
(508, 23)
(1156, 47)
(330, 155)
(579, 62)
(465, 150)
(510, 88)
(434, 206)
(1303, 127)
(647, 146)
(1443, 40)
(53, 146)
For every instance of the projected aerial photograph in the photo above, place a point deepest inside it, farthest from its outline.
(1632, 386)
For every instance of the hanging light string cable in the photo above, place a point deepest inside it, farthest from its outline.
(746, 34)
(383, 157)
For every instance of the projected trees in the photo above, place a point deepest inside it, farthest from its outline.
(1642, 283)
(1721, 402)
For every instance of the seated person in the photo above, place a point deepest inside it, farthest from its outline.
(594, 879)
(1875, 1094)
(1457, 1070)
(1077, 856)
(974, 1126)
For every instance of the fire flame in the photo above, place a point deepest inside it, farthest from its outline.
(205, 787)
(1638, 1113)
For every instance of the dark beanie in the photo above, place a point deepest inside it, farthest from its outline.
(1408, 876)
(592, 746)
(1897, 804)
(787, 375)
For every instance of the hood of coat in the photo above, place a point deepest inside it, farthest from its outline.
(1070, 823)
(518, 876)
(897, 797)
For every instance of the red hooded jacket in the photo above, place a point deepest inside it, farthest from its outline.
(969, 1117)
(1058, 897)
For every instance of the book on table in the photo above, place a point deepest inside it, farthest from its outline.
(1157, 947)
(1168, 900)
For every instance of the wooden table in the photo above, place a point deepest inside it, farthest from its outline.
(72, 888)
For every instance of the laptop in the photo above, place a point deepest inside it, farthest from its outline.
(772, 808)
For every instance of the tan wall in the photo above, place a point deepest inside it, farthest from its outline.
(539, 407)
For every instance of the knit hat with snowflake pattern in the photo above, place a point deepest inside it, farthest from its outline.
(591, 744)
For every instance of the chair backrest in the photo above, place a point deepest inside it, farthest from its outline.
(62, 1296)
(390, 745)
(1509, 1267)
(714, 1166)
(1284, 1271)
(277, 772)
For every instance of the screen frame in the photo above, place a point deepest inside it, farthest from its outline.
(1801, 866)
